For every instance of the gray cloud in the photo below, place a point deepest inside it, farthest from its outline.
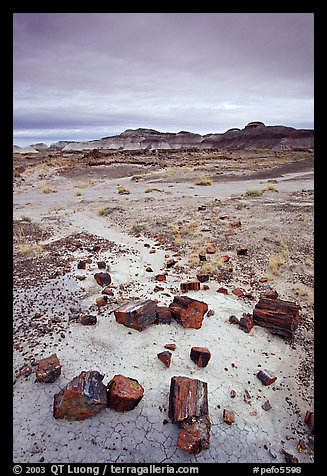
(170, 71)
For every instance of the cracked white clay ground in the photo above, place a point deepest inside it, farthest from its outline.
(145, 434)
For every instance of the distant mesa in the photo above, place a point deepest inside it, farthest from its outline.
(255, 135)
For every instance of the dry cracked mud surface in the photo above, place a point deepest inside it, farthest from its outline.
(135, 212)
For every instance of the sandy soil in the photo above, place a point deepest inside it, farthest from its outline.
(135, 213)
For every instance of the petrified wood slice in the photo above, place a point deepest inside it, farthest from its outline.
(137, 314)
(48, 369)
(188, 398)
(124, 393)
(200, 355)
(81, 398)
(279, 317)
(188, 312)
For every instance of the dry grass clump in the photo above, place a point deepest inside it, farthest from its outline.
(254, 192)
(47, 189)
(204, 180)
(278, 261)
(105, 211)
(123, 190)
(139, 228)
(24, 246)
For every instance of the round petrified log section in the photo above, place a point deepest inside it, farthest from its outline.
(123, 393)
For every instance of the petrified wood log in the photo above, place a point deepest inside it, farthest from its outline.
(124, 393)
(200, 355)
(188, 398)
(188, 406)
(279, 317)
(188, 312)
(190, 286)
(81, 398)
(137, 314)
(48, 369)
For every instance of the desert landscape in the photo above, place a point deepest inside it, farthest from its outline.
(224, 226)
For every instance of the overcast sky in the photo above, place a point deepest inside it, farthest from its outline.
(83, 76)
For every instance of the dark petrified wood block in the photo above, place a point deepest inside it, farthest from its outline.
(200, 355)
(48, 369)
(266, 378)
(279, 317)
(137, 314)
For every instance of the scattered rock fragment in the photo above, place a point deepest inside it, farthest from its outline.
(232, 394)
(124, 393)
(137, 314)
(81, 264)
(222, 290)
(242, 251)
(170, 346)
(101, 300)
(102, 265)
(188, 312)
(202, 277)
(229, 416)
(271, 294)
(238, 292)
(161, 277)
(103, 279)
(82, 397)
(211, 250)
(202, 257)
(266, 406)
(266, 378)
(48, 369)
(165, 357)
(88, 320)
(171, 262)
(200, 355)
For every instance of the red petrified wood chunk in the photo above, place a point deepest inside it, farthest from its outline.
(188, 312)
(190, 286)
(279, 317)
(81, 398)
(124, 393)
(188, 406)
(48, 369)
(200, 355)
(246, 322)
(170, 346)
(194, 435)
(163, 315)
(265, 377)
(137, 314)
(165, 357)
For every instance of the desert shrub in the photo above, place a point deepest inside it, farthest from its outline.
(47, 189)
(139, 227)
